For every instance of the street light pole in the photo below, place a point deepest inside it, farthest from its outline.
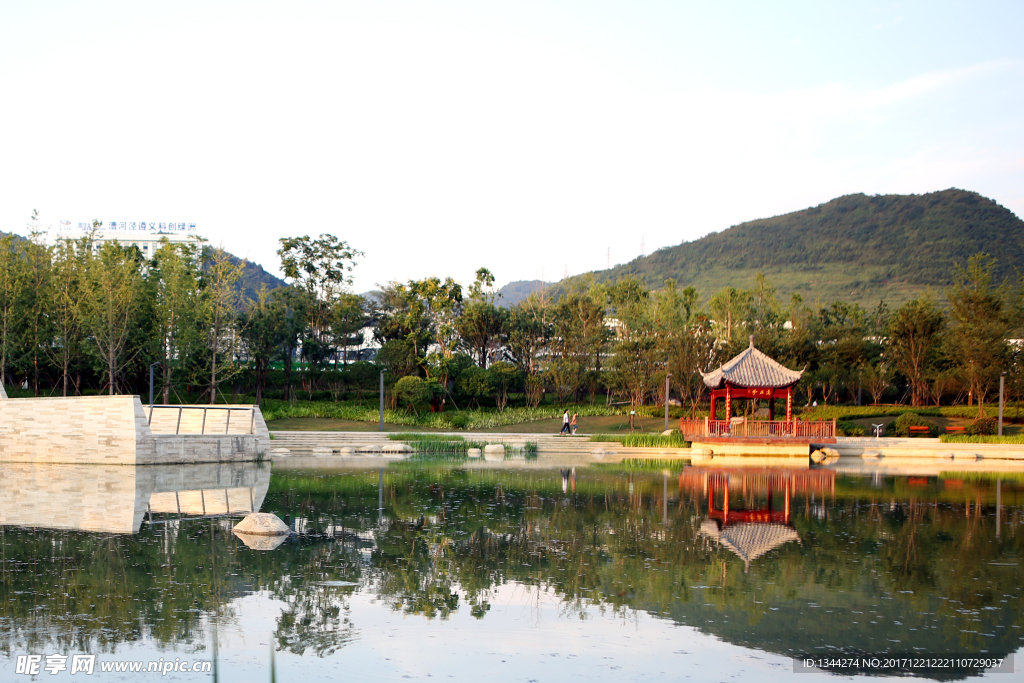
(666, 399)
(151, 383)
(1002, 391)
(382, 400)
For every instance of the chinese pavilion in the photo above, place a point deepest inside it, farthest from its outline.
(752, 374)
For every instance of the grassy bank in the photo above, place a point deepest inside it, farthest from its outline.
(483, 418)
(964, 438)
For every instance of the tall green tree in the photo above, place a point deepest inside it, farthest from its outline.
(914, 339)
(983, 320)
(12, 305)
(528, 334)
(37, 335)
(175, 277)
(112, 299)
(482, 323)
(219, 310)
(66, 307)
(322, 268)
(263, 331)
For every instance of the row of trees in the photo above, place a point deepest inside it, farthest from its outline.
(93, 315)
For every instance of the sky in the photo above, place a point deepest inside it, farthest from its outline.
(536, 139)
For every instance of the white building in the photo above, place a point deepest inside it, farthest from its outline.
(146, 236)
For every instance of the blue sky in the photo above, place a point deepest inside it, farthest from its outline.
(528, 137)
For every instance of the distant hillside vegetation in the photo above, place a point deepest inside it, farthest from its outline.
(514, 292)
(254, 275)
(857, 248)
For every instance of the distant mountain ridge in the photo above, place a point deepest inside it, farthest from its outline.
(857, 248)
(514, 292)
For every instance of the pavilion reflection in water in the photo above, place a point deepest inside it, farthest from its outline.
(755, 529)
(116, 498)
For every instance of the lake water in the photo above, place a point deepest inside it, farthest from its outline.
(452, 572)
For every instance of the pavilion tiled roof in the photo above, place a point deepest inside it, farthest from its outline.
(751, 368)
(749, 540)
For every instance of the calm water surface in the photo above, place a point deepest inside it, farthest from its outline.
(447, 572)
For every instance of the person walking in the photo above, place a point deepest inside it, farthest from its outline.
(573, 423)
(565, 423)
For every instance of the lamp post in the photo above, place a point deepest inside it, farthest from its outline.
(151, 383)
(382, 400)
(1002, 392)
(666, 399)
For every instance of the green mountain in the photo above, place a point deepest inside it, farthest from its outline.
(253, 277)
(516, 291)
(857, 248)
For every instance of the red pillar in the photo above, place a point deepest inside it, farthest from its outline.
(728, 405)
(789, 404)
(714, 401)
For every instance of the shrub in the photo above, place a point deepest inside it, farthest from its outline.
(457, 420)
(983, 426)
(412, 391)
(474, 383)
(902, 424)
(847, 428)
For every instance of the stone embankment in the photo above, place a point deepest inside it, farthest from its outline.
(354, 447)
(117, 430)
(922, 448)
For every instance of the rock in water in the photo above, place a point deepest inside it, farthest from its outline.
(473, 452)
(262, 524)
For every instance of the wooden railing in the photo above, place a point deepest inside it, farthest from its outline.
(769, 429)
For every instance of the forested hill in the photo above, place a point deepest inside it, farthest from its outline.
(514, 292)
(857, 248)
(253, 277)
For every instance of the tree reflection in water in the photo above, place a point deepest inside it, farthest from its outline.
(889, 564)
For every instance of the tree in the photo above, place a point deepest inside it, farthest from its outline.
(978, 341)
(915, 335)
(174, 277)
(69, 268)
(635, 348)
(36, 335)
(263, 332)
(504, 377)
(877, 378)
(482, 323)
(412, 392)
(348, 318)
(12, 309)
(475, 383)
(527, 335)
(219, 315)
(728, 306)
(112, 298)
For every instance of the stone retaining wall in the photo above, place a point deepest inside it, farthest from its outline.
(109, 430)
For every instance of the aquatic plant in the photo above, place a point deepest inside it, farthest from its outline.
(643, 440)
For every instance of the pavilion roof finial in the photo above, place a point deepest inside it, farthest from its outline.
(751, 341)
